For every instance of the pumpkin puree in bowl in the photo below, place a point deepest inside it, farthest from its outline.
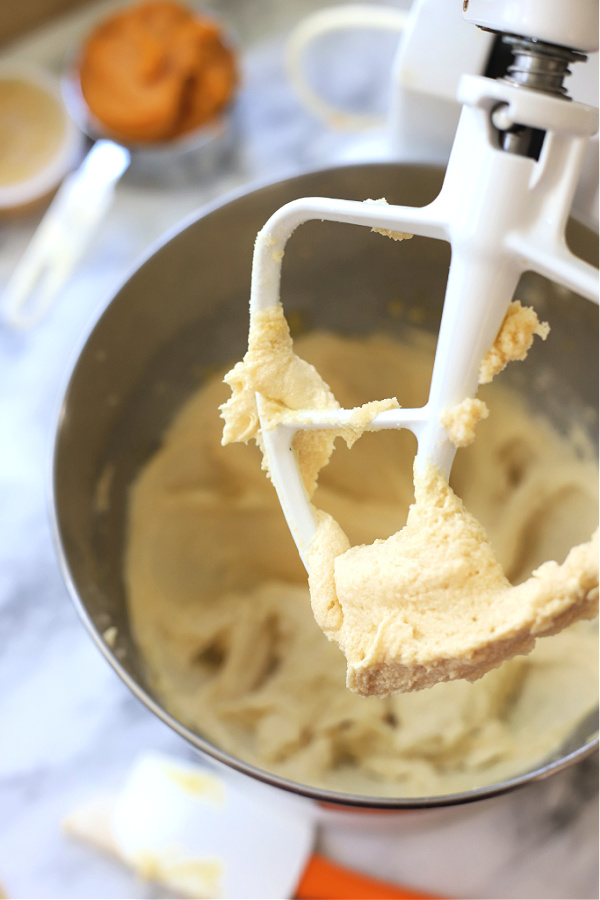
(155, 71)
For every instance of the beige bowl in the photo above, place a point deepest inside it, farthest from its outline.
(39, 142)
(186, 308)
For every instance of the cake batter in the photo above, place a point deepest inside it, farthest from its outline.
(431, 603)
(221, 613)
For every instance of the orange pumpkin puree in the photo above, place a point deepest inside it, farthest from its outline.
(156, 70)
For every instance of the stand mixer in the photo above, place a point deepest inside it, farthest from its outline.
(511, 177)
(204, 272)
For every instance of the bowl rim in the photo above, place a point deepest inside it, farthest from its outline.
(325, 796)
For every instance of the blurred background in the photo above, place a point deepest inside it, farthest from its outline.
(68, 727)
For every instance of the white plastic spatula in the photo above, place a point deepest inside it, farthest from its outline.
(193, 831)
(203, 835)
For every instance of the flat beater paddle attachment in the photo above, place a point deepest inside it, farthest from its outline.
(502, 211)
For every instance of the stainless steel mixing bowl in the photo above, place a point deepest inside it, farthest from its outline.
(185, 312)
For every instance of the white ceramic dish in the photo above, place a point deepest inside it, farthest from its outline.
(64, 147)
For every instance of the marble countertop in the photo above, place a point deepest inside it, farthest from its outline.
(68, 726)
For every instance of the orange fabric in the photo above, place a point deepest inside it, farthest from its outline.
(325, 880)
(156, 70)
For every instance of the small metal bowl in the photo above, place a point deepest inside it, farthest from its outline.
(183, 160)
(185, 309)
